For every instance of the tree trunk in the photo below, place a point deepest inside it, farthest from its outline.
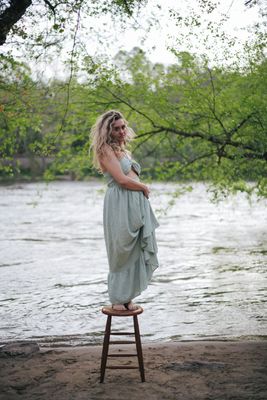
(11, 15)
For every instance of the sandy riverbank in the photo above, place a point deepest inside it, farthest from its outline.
(177, 370)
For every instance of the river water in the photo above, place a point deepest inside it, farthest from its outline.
(211, 283)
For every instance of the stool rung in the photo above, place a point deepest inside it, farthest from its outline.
(122, 333)
(122, 342)
(121, 367)
(123, 355)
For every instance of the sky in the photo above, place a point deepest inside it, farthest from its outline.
(157, 30)
(164, 33)
(154, 30)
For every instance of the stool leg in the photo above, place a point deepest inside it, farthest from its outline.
(105, 349)
(139, 348)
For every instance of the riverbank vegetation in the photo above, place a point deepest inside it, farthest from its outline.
(194, 120)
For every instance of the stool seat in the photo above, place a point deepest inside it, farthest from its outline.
(108, 310)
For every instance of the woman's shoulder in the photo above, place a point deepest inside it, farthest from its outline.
(108, 155)
(106, 152)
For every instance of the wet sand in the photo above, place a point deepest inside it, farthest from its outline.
(177, 370)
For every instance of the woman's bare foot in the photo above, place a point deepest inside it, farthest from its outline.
(131, 306)
(119, 307)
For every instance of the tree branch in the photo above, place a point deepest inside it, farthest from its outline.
(238, 126)
(214, 140)
(148, 136)
(71, 68)
(250, 2)
(130, 106)
(127, 8)
(151, 151)
(205, 155)
(220, 141)
(11, 16)
(213, 107)
(211, 138)
(50, 6)
(151, 132)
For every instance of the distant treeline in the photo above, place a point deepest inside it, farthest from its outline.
(192, 121)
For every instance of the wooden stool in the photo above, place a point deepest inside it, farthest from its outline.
(114, 313)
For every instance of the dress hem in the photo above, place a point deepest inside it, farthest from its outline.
(140, 289)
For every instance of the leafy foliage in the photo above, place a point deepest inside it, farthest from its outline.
(195, 119)
(192, 121)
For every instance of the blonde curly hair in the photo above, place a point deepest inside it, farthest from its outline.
(101, 135)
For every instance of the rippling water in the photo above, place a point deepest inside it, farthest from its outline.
(211, 282)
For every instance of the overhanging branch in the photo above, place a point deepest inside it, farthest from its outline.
(130, 105)
(11, 15)
(147, 135)
(50, 6)
(220, 141)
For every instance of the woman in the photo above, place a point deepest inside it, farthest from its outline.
(129, 222)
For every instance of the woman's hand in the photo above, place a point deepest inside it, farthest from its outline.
(110, 163)
(146, 191)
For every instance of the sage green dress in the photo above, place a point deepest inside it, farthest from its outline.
(129, 231)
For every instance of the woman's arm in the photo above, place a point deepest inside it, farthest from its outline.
(111, 164)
